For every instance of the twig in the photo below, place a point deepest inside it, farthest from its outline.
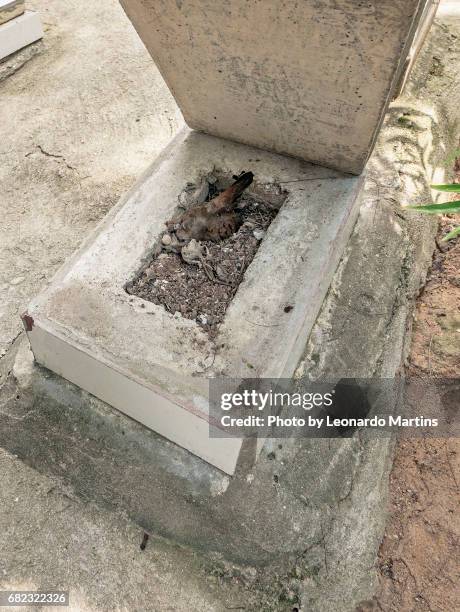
(53, 155)
(401, 560)
(450, 465)
(430, 370)
(441, 247)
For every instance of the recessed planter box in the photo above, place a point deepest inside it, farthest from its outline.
(155, 366)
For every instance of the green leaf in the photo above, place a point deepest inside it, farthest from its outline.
(436, 209)
(455, 232)
(451, 187)
(452, 156)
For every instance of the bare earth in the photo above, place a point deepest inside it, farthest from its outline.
(419, 557)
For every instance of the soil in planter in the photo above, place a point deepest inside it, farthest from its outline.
(203, 292)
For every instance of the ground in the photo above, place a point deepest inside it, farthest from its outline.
(419, 558)
(68, 105)
(53, 538)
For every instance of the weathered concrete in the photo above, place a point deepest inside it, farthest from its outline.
(52, 540)
(154, 365)
(16, 61)
(318, 523)
(364, 327)
(310, 79)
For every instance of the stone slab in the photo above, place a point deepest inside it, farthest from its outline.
(155, 366)
(19, 32)
(9, 9)
(310, 79)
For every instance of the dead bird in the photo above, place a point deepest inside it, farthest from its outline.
(214, 220)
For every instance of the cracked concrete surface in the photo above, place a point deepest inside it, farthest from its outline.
(82, 110)
(98, 559)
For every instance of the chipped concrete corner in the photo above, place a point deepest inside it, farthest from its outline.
(27, 321)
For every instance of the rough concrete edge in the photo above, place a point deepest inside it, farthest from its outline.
(14, 62)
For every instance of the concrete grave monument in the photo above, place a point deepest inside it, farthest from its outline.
(268, 82)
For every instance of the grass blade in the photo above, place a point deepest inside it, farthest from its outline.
(450, 187)
(455, 232)
(436, 209)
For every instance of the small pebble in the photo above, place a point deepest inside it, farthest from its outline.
(258, 234)
(145, 539)
(201, 318)
(166, 240)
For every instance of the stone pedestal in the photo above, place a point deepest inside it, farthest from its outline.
(310, 79)
(155, 366)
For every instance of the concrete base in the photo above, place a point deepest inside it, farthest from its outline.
(19, 32)
(155, 366)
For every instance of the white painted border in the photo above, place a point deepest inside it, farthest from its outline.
(138, 401)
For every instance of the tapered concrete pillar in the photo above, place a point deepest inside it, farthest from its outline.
(311, 79)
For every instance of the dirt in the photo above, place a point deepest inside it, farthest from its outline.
(419, 559)
(202, 291)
